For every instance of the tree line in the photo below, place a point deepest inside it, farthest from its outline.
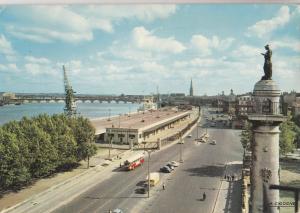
(40, 146)
(289, 134)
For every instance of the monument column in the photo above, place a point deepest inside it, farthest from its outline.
(265, 120)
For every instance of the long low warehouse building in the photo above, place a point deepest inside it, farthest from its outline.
(136, 128)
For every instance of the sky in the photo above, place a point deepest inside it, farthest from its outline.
(135, 49)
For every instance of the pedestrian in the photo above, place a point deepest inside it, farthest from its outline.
(120, 164)
(164, 186)
(204, 196)
(232, 177)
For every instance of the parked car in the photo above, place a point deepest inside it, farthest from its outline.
(189, 136)
(142, 190)
(118, 211)
(181, 142)
(165, 169)
(174, 163)
(170, 166)
(213, 142)
(202, 140)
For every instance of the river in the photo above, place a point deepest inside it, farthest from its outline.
(89, 110)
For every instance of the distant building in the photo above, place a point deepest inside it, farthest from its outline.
(244, 105)
(290, 102)
(178, 99)
(177, 95)
(229, 103)
(191, 88)
(5, 97)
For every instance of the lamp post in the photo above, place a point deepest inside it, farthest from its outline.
(110, 144)
(197, 130)
(148, 165)
(180, 153)
(148, 171)
(109, 114)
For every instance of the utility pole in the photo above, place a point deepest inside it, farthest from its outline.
(109, 114)
(180, 153)
(148, 165)
(110, 146)
(148, 173)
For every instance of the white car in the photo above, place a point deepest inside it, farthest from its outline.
(189, 136)
(213, 142)
(174, 163)
(181, 142)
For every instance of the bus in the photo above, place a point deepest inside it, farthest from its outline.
(134, 161)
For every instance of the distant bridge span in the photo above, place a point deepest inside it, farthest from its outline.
(79, 98)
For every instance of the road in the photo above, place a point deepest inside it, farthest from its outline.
(202, 171)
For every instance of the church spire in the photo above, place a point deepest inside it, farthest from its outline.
(191, 88)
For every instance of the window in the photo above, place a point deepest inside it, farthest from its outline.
(131, 136)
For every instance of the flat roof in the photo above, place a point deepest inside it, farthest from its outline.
(151, 119)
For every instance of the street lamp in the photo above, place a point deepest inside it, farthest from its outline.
(148, 165)
(197, 130)
(110, 145)
(180, 153)
(109, 114)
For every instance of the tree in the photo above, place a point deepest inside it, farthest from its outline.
(85, 136)
(39, 146)
(296, 119)
(246, 136)
(287, 136)
(13, 172)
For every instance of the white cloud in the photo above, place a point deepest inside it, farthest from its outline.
(292, 44)
(154, 67)
(45, 24)
(42, 69)
(49, 23)
(6, 47)
(33, 69)
(9, 68)
(145, 39)
(205, 45)
(141, 12)
(33, 59)
(246, 51)
(264, 27)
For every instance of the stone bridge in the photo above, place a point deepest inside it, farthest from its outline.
(78, 98)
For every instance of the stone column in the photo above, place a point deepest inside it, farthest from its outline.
(265, 146)
(265, 164)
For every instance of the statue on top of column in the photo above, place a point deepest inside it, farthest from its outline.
(267, 64)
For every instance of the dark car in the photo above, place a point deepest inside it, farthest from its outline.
(165, 169)
(143, 190)
(171, 167)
